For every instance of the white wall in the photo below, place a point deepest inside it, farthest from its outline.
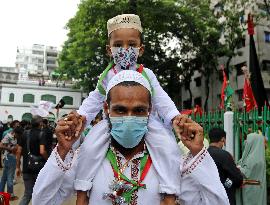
(18, 108)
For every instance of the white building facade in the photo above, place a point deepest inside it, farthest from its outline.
(197, 85)
(25, 85)
(37, 60)
(17, 99)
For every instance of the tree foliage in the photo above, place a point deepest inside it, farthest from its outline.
(180, 37)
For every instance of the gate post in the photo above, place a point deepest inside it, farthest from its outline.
(228, 127)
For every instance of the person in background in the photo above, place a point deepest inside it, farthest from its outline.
(47, 131)
(230, 175)
(253, 166)
(1, 134)
(9, 144)
(37, 147)
(12, 125)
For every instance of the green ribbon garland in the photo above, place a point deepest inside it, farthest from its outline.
(111, 156)
(100, 87)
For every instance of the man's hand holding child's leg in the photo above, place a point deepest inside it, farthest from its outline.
(77, 124)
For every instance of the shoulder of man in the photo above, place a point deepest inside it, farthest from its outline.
(217, 152)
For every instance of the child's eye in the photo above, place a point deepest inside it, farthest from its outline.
(117, 45)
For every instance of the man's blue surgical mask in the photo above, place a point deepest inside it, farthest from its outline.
(128, 131)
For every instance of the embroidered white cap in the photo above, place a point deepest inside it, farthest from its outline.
(128, 76)
(124, 21)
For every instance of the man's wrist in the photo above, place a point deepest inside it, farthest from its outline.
(196, 150)
(62, 152)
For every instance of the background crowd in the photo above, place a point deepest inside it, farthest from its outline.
(19, 138)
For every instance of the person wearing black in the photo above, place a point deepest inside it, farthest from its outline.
(33, 141)
(230, 175)
(48, 135)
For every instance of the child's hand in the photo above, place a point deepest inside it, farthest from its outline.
(68, 131)
(190, 133)
(77, 123)
(178, 123)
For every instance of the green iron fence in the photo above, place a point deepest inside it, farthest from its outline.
(243, 124)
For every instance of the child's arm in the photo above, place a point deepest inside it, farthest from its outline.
(161, 101)
(91, 105)
(82, 198)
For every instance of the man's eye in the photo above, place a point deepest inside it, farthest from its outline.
(120, 111)
(141, 111)
(132, 45)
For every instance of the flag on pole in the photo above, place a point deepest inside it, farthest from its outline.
(256, 77)
(59, 105)
(226, 92)
(42, 109)
(248, 97)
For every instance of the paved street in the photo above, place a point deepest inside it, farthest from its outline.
(19, 190)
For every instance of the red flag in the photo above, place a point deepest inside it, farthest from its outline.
(224, 85)
(248, 96)
(186, 112)
(198, 110)
(250, 25)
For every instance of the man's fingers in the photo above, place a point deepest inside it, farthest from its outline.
(64, 123)
(61, 129)
(191, 129)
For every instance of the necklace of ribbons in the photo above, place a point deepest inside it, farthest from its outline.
(145, 164)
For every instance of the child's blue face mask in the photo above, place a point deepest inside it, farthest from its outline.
(128, 131)
(125, 58)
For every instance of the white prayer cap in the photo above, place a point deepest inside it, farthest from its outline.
(128, 76)
(124, 21)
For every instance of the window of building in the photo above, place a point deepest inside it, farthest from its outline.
(10, 118)
(8, 77)
(27, 117)
(267, 36)
(37, 52)
(11, 97)
(28, 98)
(239, 68)
(187, 104)
(52, 54)
(198, 81)
(186, 85)
(51, 62)
(198, 101)
(240, 95)
(68, 100)
(50, 98)
(266, 65)
(219, 97)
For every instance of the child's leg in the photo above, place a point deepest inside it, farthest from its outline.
(82, 198)
(166, 156)
(91, 155)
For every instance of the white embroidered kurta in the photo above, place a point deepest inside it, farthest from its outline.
(162, 103)
(200, 183)
(163, 159)
(158, 139)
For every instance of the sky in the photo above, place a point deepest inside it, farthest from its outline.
(27, 22)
